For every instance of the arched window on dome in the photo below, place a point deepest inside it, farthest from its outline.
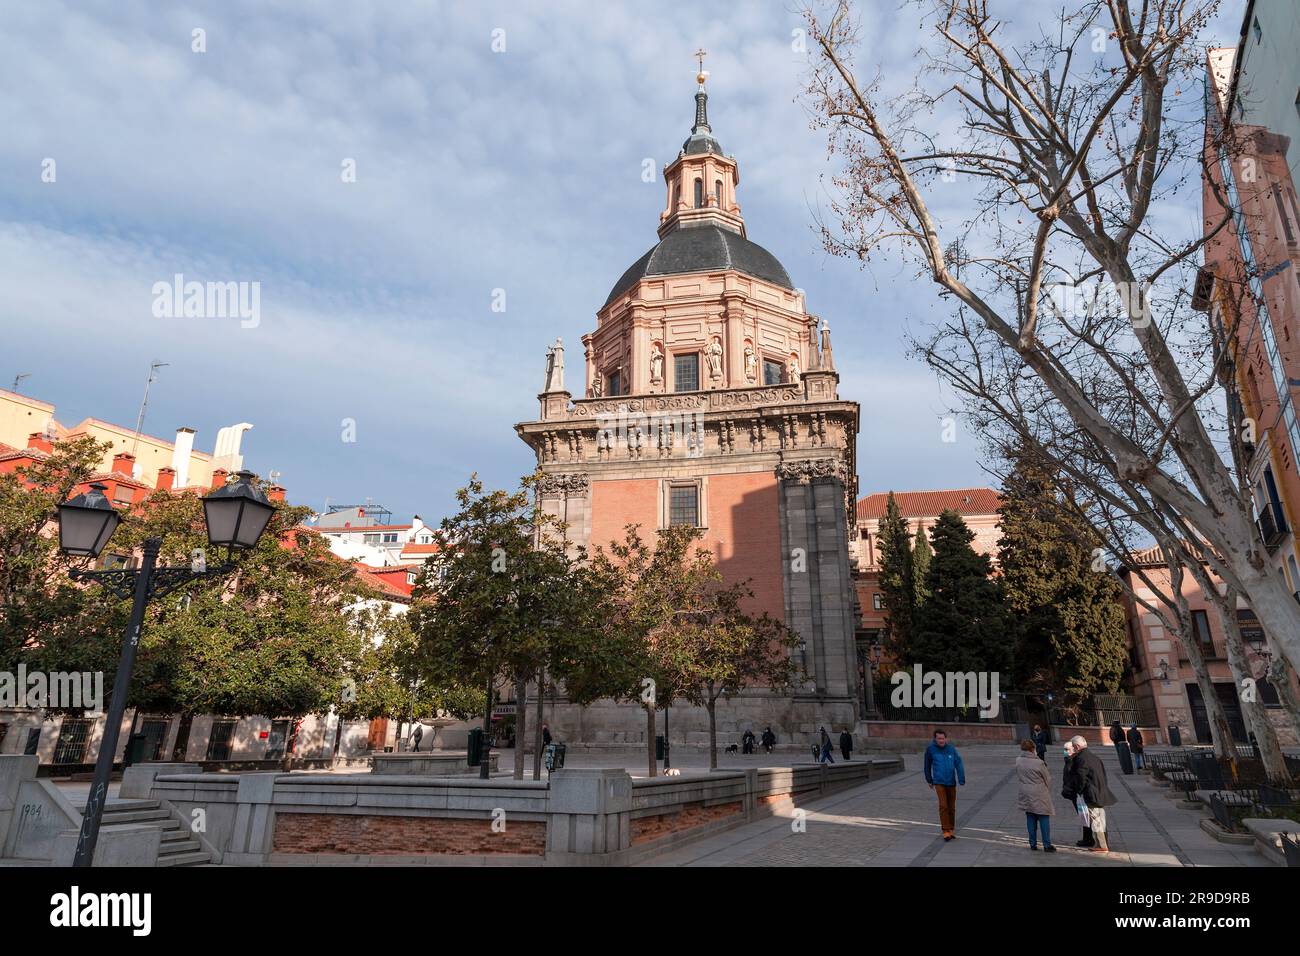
(699, 194)
(717, 192)
(677, 194)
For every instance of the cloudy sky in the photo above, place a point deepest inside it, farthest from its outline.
(476, 169)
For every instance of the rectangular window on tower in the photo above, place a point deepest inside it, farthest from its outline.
(686, 372)
(684, 506)
(615, 384)
(773, 372)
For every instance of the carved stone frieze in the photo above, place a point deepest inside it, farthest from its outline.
(574, 485)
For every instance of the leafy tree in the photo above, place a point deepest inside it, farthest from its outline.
(505, 600)
(1068, 618)
(897, 579)
(963, 624)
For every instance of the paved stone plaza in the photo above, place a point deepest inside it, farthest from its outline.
(894, 822)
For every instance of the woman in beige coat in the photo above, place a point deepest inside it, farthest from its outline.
(1035, 795)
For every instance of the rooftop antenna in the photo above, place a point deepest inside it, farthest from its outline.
(18, 379)
(144, 404)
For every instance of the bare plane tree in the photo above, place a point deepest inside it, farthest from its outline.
(1065, 276)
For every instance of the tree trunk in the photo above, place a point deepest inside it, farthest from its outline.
(713, 733)
(1220, 732)
(650, 739)
(1257, 722)
(182, 746)
(1280, 676)
(537, 731)
(521, 720)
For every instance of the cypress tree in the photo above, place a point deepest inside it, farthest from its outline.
(921, 555)
(897, 582)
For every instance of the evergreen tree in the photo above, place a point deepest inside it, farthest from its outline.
(897, 581)
(963, 624)
(922, 553)
(1068, 618)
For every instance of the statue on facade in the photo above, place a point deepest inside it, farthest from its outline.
(657, 363)
(794, 366)
(751, 363)
(597, 385)
(555, 367)
(715, 358)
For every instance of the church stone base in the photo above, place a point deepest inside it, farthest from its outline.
(611, 725)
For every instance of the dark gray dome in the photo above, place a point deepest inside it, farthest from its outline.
(705, 248)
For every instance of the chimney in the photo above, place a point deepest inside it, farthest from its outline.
(166, 479)
(219, 478)
(124, 462)
(275, 492)
(184, 447)
(40, 441)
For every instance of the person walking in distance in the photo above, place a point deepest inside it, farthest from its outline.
(826, 756)
(769, 739)
(1035, 796)
(1040, 740)
(1135, 745)
(1090, 775)
(846, 743)
(944, 773)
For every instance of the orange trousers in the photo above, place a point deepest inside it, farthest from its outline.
(947, 808)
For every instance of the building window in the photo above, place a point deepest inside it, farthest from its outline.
(221, 740)
(677, 195)
(717, 192)
(1282, 214)
(371, 539)
(410, 577)
(73, 737)
(877, 601)
(684, 506)
(699, 194)
(686, 372)
(773, 372)
(1259, 31)
(390, 538)
(1201, 627)
(615, 381)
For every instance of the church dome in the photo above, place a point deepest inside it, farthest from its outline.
(703, 248)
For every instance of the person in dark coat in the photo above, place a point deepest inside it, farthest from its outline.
(747, 741)
(1117, 733)
(546, 734)
(417, 736)
(769, 739)
(826, 756)
(846, 743)
(1040, 740)
(1070, 790)
(1135, 745)
(1090, 775)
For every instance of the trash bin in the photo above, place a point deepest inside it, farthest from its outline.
(475, 746)
(135, 749)
(1175, 737)
(554, 759)
(659, 747)
(559, 756)
(1125, 757)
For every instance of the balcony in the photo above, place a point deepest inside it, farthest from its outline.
(1273, 528)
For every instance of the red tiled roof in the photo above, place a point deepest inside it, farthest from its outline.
(928, 504)
(387, 580)
(420, 549)
(361, 528)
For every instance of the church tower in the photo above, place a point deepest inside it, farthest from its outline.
(709, 397)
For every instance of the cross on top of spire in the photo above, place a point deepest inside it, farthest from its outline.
(700, 77)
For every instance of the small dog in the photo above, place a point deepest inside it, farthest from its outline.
(733, 749)
(672, 772)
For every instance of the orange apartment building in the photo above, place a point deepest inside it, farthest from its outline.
(709, 398)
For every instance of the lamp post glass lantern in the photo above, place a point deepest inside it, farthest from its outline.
(236, 516)
(237, 513)
(86, 522)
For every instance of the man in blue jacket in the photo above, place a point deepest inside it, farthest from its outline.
(945, 773)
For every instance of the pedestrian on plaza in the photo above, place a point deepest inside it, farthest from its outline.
(1090, 775)
(1135, 745)
(944, 773)
(747, 741)
(1040, 741)
(1117, 733)
(827, 757)
(1070, 790)
(546, 735)
(418, 736)
(1035, 795)
(769, 739)
(846, 743)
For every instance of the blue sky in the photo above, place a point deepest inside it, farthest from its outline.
(476, 170)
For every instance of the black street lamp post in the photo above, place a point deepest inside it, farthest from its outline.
(236, 515)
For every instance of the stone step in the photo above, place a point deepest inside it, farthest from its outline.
(136, 816)
(116, 805)
(179, 848)
(174, 834)
(194, 858)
